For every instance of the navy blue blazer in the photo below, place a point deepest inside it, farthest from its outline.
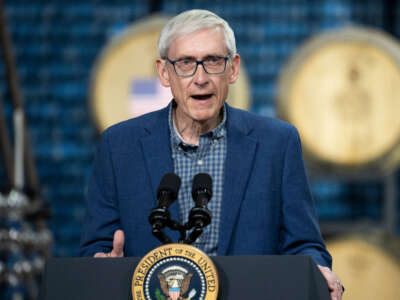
(266, 208)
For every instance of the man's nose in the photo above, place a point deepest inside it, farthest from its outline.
(201, 76)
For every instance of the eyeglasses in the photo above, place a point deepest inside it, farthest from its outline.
(186, 67)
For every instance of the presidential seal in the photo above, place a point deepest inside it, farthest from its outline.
(175, 272)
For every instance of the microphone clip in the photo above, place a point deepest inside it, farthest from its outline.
(199, 216)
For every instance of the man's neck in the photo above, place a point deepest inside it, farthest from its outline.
(190, 130)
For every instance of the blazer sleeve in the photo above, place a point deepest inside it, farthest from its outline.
(299, 231)
(102, 214)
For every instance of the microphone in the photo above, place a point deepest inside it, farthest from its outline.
(202, 189)
(200, 216)
(167, 193)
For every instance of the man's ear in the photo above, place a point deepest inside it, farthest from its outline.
(162, 71)
(235, 65)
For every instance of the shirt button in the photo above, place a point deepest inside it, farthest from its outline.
(200, 162)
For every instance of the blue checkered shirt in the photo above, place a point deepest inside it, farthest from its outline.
(189, 160)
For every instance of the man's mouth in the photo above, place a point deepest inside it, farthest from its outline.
(202, 97)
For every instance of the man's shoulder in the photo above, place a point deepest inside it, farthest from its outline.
(124, 136)
(261, 125)
(138, 124)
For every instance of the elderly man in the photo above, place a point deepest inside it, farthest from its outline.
(261, 201)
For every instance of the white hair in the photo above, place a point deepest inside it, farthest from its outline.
(190, 21)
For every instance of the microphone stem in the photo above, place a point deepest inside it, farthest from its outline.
(161, 236)
(197, 231)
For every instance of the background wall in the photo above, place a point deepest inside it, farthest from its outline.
(56, 44)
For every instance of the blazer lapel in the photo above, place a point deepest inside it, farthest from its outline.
(241, 150)
(156, 147)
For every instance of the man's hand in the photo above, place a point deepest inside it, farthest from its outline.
(334, 284)
(118, 246)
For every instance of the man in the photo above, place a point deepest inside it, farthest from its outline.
(261, 201)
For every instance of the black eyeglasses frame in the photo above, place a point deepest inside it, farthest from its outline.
(198, 62)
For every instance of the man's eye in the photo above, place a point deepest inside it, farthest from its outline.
(186, 61)
(213, 60)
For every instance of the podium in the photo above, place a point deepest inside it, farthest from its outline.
(270, 277)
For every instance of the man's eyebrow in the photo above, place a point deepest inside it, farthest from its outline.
(203, 57)
(214, 55)
(187, 57)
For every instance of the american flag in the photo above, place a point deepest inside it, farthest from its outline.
(146, 95)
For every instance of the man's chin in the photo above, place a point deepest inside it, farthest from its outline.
(204, 115)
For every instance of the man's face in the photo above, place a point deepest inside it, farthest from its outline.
(201, 96)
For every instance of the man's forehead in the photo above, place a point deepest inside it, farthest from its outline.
(200, 43)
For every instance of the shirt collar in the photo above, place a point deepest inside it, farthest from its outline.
(176, 139)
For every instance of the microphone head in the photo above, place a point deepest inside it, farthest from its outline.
(170, 184)
(202, 183)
